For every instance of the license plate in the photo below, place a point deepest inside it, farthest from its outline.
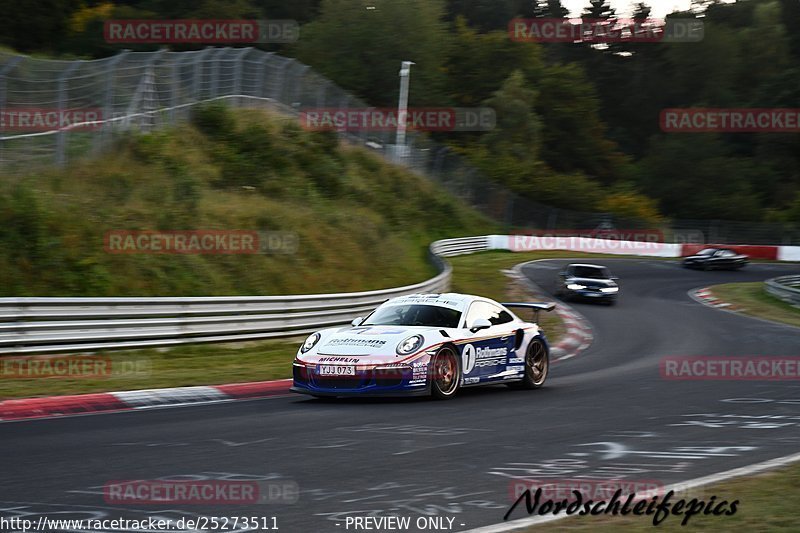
(337, 370)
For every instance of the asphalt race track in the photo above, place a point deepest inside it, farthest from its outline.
(606, 413)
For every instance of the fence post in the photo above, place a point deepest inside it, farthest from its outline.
(148, 92)
(263, 74)
(176, 80)
(237, 73)
(61, 136)
(175, 77)
(279, 88)
(215, 65)
(108, 102)
(198, 72)
(10, 64)
(296, 88)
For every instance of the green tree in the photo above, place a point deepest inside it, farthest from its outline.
(518, 129)
(696, 176)
(599, 9)
(489, 15)
(510, 154)
(574, 137)
(360, 45)
(300, 10)
(549, 9)
(36, 26)
(176, 9)
(627, 203)
(480, 62)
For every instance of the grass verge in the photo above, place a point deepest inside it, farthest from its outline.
(751, 299)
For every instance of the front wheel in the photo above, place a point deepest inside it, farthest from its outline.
(446, 374)
(537, 364)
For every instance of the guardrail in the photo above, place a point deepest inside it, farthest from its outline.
(55, 325)
(787, 288)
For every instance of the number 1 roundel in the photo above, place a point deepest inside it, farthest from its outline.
(468, 358)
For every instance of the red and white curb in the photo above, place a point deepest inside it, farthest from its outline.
(579, 334)
(706, 297)
(27, 408)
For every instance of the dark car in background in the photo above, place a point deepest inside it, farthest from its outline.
(716, 259)
(587, 282)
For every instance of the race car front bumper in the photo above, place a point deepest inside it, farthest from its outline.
(371, 381)
(591, 294)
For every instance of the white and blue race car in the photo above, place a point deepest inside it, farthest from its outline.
(425, 344)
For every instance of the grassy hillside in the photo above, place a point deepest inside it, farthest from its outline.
(360, 223)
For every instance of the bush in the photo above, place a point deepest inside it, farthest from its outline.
(214, 120)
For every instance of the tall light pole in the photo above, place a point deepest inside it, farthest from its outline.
(402, 109)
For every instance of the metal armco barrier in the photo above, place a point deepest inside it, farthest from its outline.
(56, 325)
(787, 288)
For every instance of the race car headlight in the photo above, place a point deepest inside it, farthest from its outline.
(609, 289)
(410, 345)
(575, 287)
(392, 369)
(311, 341)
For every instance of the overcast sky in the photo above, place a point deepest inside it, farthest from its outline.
(624, 7)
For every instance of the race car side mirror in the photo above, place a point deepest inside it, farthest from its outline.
(357, 321)
(479, 324)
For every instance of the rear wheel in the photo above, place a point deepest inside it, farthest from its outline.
(537, 364)
(446, 373)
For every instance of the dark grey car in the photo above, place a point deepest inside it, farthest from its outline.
(587, 282)
(716, 259)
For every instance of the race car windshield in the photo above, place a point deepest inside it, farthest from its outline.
(707, 251)
(590, 272)
(414, 315)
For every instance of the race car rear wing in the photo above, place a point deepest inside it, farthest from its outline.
(536, 307)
